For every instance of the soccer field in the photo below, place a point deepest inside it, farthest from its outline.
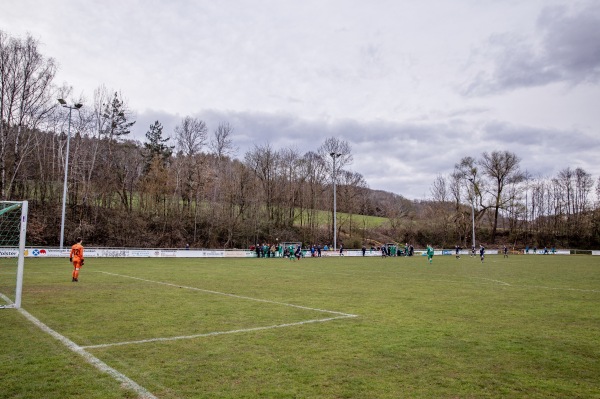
(522, 327)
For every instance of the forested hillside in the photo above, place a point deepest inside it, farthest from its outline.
(190, 186)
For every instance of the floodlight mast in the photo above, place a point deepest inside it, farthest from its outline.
(64, 104)
(472, 180)
(334, 156)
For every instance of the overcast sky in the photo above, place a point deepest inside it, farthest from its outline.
(412, 85)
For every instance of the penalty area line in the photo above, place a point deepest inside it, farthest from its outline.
(344, 315)
(559, 288)
(144, 341)
(495, 281)
(340, 315)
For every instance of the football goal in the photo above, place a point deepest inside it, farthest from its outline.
(287, 249)
(13, 229)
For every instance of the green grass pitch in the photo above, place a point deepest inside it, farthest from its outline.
(522, 327)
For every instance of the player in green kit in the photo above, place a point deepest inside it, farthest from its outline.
(429, 253)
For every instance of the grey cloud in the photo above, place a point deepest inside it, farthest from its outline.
(515, 64)
(549, 141)
(572, 42)
(568, 50)
(404, 158)
(543, 151)
(148, 117)
(399, 157)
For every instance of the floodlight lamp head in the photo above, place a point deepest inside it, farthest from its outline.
(78, 105)
(62, 102)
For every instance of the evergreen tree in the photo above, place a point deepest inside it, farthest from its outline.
(156, 146)
(115, 112)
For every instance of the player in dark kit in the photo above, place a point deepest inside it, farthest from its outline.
(481, 252)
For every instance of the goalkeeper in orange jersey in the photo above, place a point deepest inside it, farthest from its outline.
(76, 257)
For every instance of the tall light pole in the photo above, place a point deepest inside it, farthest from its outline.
(472, 180)
(63, 103)
(334, 156)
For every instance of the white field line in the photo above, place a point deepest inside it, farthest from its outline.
(10, 303)
(127, 382)
(344, 315)
(341, 315)
(557, 288)
(495, 281)
(448, 281)
(143, 341)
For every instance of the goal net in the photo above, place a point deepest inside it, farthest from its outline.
(13, 229)
(289, 248)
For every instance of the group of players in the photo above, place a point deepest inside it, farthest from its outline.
(458, 249)
(430, 252)
(76, 255)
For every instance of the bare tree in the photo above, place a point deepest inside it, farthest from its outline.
(502, 167)
(96, 125)
(572, 190)
(313, 169)
(191, 135)
(25, 91)
(462, 215)
(439, 189)
(221, 146)
(264, 162)
(351, 188)
(467, 172)
(221, 143)
(583, 187)
(441, 207)
(288, 188)
(340, 149)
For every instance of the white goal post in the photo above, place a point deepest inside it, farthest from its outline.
(13, 231)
